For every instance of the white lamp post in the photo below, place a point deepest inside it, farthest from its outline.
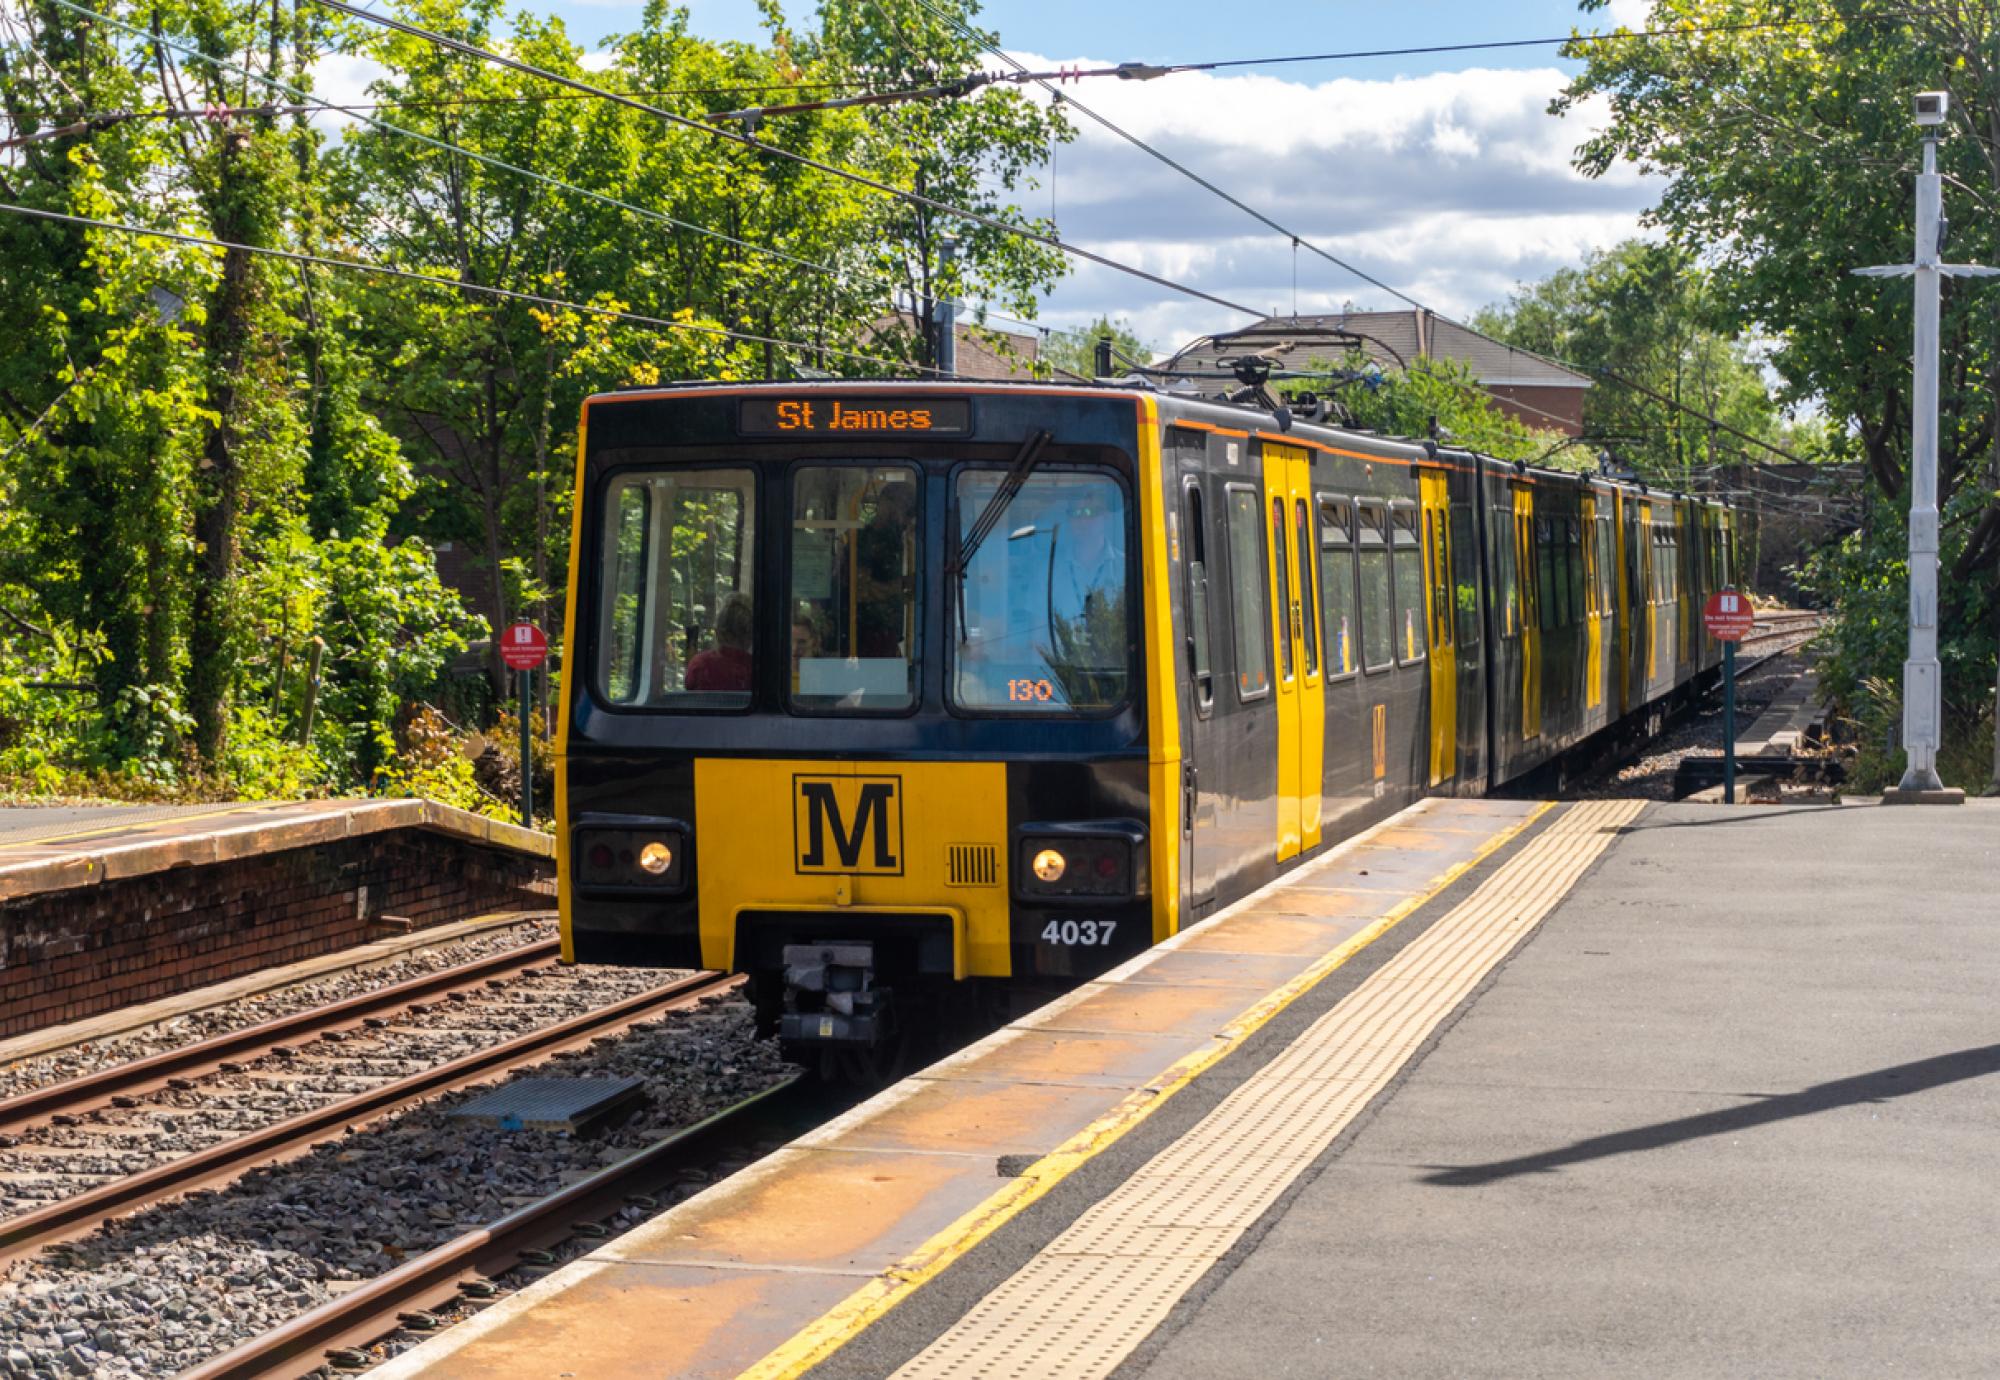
(1922, 690)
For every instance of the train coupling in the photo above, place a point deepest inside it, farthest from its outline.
(831, 996)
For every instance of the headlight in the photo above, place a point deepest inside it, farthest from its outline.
(1097, 861)
(645, 857)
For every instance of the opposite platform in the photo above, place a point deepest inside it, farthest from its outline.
(105, 907)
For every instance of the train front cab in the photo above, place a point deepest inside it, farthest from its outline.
(861, 707)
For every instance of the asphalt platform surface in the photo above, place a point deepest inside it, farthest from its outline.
(1731, 1111)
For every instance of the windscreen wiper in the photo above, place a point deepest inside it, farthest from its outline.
(989, 516)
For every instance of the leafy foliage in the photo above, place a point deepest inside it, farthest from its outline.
(220, 470)
(1649, 313)
(1788, 154)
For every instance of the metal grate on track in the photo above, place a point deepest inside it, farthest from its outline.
(1094, 1293)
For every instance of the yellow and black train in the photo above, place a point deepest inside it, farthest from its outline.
(898, 696)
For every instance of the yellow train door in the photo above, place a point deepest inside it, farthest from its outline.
(1301, 693)
(1593, 609)
(1649, 587)
(1436, 505)
(1627, 613)
(1684, 520)
(1531, 612)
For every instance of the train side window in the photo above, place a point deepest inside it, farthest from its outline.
(1531, 590)
(1437, 565)
(1378, 626)
(1337, 587)
(1587, 548)
(1465, 579)
(1509, 602)
(1200, 666)
(1281, 579)
(1573, 546)
(1408, 559)
(1302, 542)
(1607, 558)
(1246, 592)
(1545, 574)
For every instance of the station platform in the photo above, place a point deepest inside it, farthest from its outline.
(1495, 1089)
(103, 908)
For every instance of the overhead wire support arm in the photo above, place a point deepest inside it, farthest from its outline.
(751, 116)
(457, 285)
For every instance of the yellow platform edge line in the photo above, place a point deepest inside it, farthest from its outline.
(865, 1306)
(131, 825)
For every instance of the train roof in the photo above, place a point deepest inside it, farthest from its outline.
(1245, 418)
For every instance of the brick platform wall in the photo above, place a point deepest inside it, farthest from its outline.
(75, 953)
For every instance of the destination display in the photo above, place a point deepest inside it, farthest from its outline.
(831, 416)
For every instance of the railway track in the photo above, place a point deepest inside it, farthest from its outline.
(343, 1032)
(1776, 633)
(464, 1268)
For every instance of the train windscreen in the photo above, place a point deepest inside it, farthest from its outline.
(1041, 616)
(679, 613)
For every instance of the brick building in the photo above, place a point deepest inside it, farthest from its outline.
(1535, 391)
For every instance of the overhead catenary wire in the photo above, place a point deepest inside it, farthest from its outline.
(1146, 71)
(447, 146)
(777, 151)
(1299, 241)
(309, 102)
(455, 285)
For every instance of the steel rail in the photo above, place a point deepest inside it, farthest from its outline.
(94, 1090)
(228, 1160)
(379, 1307)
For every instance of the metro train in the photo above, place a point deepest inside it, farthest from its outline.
(901, 697)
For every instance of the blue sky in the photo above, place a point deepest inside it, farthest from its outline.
(1442, 175)
(1181, 31)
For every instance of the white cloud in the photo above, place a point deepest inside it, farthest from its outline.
(343, 79)
(1452, 187)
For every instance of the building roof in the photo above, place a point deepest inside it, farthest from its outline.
(1390, 338)
(984, 352)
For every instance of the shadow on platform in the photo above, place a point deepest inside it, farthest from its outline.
(1881, 1085)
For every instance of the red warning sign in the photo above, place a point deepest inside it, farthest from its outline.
(523, 646)
(1728, 616)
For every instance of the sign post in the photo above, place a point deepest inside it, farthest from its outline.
(1728, 617)
(523, 646)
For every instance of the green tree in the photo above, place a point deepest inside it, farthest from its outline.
(1787, 154)
(1075, 351)
(1646, 312)
(975, 152)
(1440, 393)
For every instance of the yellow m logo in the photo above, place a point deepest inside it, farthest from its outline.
(848, 824)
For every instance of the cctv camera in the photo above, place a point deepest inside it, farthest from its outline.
(1931, 107)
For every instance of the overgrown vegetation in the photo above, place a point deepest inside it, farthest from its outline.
(217, 466)
(1788, 150)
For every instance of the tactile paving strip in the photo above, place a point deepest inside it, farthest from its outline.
(1094, 1293)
